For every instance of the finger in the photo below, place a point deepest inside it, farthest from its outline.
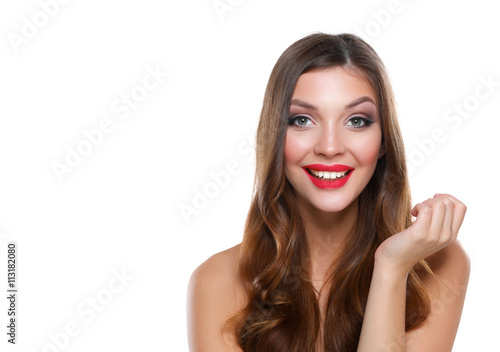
(458, 217)
(458, 214)
(423, 212)
(443, 211)
(419, 206)
(449, 234)
(438, 216)
(414, 211)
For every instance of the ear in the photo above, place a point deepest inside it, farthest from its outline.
(381, 151)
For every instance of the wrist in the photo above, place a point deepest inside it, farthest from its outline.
(390, 270)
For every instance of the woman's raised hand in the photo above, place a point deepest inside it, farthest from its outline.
(438, 220)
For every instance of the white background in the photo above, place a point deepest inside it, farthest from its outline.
(119, 208)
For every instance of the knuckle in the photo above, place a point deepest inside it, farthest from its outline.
(427, 203)
(461, 207)
(440, 206)
(449, 202)
(426, 210)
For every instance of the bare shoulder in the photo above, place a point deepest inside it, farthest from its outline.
(218, 266)
(447, 291)
(452, 260)
(214, 295)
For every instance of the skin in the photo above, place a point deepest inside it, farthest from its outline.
(331, 134)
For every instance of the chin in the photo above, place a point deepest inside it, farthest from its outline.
(328, 203)
(331, 207)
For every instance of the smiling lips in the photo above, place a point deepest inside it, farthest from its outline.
(328, 176)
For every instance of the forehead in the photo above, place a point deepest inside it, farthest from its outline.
(332, 84)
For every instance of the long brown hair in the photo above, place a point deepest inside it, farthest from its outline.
(283, 313)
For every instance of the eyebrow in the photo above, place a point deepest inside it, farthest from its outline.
(303, 104)
(356, 102)
(359, 101)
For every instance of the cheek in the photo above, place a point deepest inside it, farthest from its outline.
(295, 148)
(367, 149)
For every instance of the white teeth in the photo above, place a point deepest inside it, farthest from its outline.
(328, 175)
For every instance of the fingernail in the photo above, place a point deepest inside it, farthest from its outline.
(437, 194)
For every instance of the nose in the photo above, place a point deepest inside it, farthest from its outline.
(329, 142)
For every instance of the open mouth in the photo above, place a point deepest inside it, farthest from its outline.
(328, 175)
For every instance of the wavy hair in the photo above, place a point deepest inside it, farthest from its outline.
(283, 313)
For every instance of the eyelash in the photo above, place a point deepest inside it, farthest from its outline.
(292, 119)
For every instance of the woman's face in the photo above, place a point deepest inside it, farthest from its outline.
(333, 138)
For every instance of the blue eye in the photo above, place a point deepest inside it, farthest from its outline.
(359, 122)
(299, 121)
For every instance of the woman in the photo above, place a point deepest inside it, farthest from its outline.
(331, 259)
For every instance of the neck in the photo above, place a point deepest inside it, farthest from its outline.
(326, 234)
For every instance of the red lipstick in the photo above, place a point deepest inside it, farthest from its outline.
(323, 183)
